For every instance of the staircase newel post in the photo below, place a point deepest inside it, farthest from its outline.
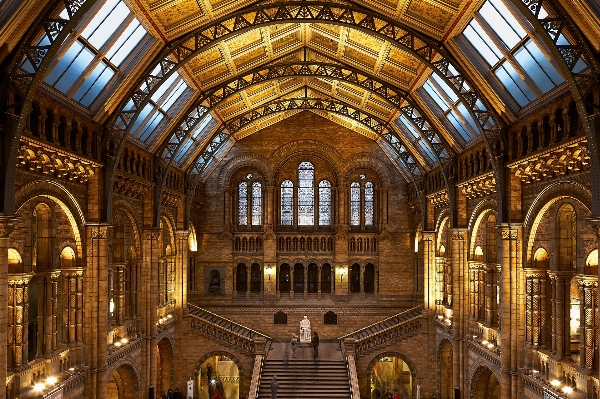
(349, 352)
(260, 350)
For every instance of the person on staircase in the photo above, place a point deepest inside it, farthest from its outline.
(274, 387)
(315, 344)
(284, 353)
(294, 344)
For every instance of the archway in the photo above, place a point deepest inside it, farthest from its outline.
(217, 373)
(163, 364)
(355, 278)
(390, 373)
(485, 384)
(445, 370)
(122, 384)
(241, 278)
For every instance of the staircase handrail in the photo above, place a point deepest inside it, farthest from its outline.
(259, 362)
(352, 376)
(251, 332)
(412, 313)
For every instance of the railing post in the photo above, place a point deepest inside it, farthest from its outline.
(260, 347)
(350, 353)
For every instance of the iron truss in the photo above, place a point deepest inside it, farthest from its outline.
(22, 85)
(582, 84)
(422, 47)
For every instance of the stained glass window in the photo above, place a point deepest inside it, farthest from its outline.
(287, 203)
(243, 203)
(355, 204)
(369, 203)
(256, 204)
(306, 194)
(324, 203)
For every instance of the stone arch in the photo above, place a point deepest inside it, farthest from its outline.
(245, 160)
(208, 355)
(443, 219)
(479, 218)
(126, 385)
(366, 161)
(125, 208)
(63, 198)
(306, 147)
(548, 196)
(411, 366)
(165, 363)
(480, 384)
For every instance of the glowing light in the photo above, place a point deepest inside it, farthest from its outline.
(490, 346)
(51, 380)
(39, 386)
(117, 344)
(567, 390)
(555, 383)
(484, 342)
(124, 340)
(72, 369)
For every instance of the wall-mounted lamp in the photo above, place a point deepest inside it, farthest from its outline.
(341, 270)
(269, 271)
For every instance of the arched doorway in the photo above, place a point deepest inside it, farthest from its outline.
(218, 373)
(445, 371)
(163, 364)
(256, 278)
(298, 277)
(241, 278)
(313, 277)
(369, 278)
(122, 384)
(486, 385)
(390, 373)
(326, 278)
(355, 278)
(284, 278)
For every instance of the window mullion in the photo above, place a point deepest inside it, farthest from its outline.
(117, 34)
(523, 74)
(85, 73)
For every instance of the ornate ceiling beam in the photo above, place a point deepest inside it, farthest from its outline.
(551, 29)
(428, 51)
(19, 86)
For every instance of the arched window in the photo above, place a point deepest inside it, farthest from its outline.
(256, 204)
(369, 204)
(287, 203)
(306, 194)
(355, 204)
(491, 244)
(566, 225)
(243, 203)
(324, 203)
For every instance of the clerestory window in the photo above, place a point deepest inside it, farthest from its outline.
(249, 203)
(362, 203)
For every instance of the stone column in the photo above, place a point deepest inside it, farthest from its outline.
(47, 305)
(248, 280)
(561, 305)
(512, 335)
(96, 310)
(566, 123)
(119, 294)
(588, 305)
(319, 269)
(427, 250)
(491, 310)
(72, 305)
(270, 206)
(333, 281)
(7, 225)
(151, 252)
(305, 282)
(460, 290)
(18, 292)
(292, 281)
(535, 291)
(362, 282)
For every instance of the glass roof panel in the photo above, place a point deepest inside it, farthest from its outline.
(459, 126)
(94, 84)
(106, 29)
(435, 95)
(166, 85)
(515, 85)
(126, 43)
(73, 71)
(502, 22)
(151, 125)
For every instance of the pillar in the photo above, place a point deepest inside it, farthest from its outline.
(535, 310)
(7, 225)
(427, 251)
(561, 304)
(460, 300)
(588, 305)
(18, 291)
(96, 310)
(511, 317)
(362, 282)
(48, 305)
(119, 294)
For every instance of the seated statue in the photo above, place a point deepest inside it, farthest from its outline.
(305, 333)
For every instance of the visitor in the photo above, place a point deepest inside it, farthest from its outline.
(284, 353)
(177, 394)
(294, 344)
(315, 344)
(274, 387)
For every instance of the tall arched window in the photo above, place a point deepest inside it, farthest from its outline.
(256, 204)
(306, 194)
(324, 203)
(287, 203)
(355, 204)
(369, 204)
(243, 203)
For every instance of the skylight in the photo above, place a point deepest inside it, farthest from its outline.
(201, 131)
(412, 134)
(510, 55)
(95, 54)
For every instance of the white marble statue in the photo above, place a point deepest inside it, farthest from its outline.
(305, 334)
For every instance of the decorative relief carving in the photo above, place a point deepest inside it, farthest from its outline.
(440, 199)
(563, 159)
(479, 187)
(36, 156)
(510, 234)
(129, 186)
(7, 226)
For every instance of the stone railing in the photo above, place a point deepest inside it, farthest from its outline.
(117, 353)
(256, 374)
(363, 244)
(295, 244)
(384, 331)
(350, 349)
(248, 243)
(227, 331)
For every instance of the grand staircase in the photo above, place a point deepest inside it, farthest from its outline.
(304, 377)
